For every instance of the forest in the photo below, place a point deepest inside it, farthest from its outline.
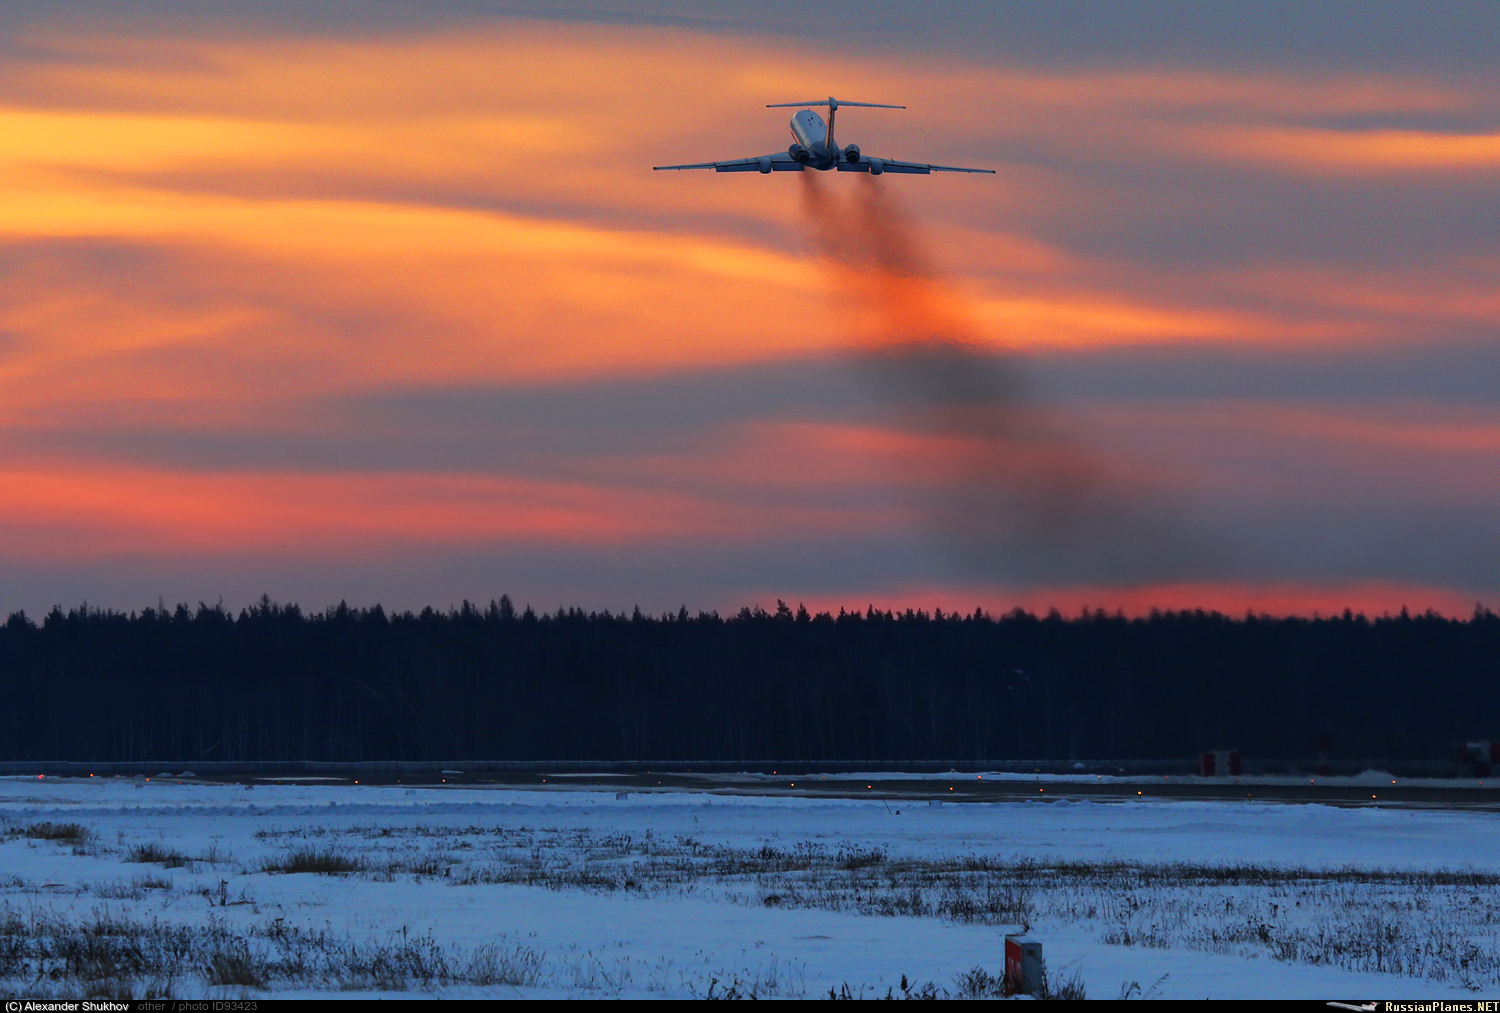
(273, 683)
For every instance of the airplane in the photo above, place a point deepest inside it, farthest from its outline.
(815, 148)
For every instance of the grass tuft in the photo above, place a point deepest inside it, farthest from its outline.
(323, 861)
(977, 984)
(155, 854)
(229, 961)
(496, 965)
(1067, 988)
(71, 833)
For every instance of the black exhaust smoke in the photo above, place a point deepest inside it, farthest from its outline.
(1014, 496)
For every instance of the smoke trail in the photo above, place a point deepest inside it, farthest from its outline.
(1012, 495)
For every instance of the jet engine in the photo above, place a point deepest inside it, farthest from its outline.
(799, 154)
(851, 153)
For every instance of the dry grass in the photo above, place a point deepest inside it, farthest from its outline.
(1434, 925)
(322, 861)
(68, 833)
(115, 956)
(1438, 925)
(155, 854)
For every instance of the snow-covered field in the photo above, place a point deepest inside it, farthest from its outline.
(119, 886)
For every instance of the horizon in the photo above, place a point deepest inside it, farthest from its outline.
(505, 607)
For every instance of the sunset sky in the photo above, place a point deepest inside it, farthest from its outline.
(383, 303)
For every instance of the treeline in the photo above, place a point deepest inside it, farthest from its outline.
(274, 683)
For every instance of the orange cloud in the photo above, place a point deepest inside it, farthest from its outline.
(1358, 151)
(65, 514)
(1345, 432)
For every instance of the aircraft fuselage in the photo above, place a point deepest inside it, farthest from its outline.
(814, 139)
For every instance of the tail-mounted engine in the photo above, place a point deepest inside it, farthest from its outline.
(851, 153)
(799, 154)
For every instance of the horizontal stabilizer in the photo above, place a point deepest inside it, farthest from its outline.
(832, 103)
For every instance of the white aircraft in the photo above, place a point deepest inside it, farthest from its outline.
(815, 148)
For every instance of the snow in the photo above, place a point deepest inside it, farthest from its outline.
(677, 942)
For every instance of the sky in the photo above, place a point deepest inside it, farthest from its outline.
(383, 303)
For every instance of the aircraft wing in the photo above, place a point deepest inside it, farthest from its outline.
(778, 162)
(868, 163)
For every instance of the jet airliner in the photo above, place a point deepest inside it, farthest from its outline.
(813, 147)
